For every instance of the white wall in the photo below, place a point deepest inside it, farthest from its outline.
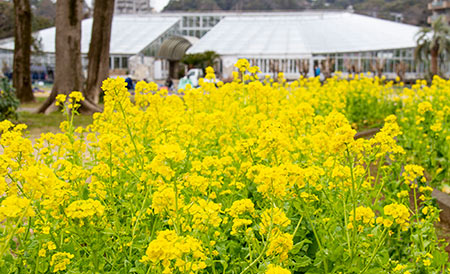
(228, 66)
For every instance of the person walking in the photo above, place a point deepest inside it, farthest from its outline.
(129, 82)
(316, 71)
(169, 84)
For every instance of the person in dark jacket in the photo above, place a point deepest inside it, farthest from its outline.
(129, 82)
(316, 71)
(169, 84)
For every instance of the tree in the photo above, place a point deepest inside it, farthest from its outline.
(22, 51)
(377, 66)
(400, 69)
(200, 60)
(327, 67)
(274, 67)
(98, 67)
(303, 66)
(68, 73)
(434, 42)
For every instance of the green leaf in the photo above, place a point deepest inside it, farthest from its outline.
(43, 267)
(300, 262)
(298, 246)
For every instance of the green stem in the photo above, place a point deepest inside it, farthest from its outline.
(346, 228)
(352, 193)
(256, 260)
(297, 226)
(16, 227)
(374, 253)
(378, 193)
(137, 219)
(417, 218)
(325, 262)
(131, 135)
(176, 205)
(376, 182)
(264, 248)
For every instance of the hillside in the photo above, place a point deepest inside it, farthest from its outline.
(413, 11)
(43, 16)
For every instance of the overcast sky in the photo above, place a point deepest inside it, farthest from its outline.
(157, 4)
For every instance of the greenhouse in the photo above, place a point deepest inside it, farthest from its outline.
(139, 37)
(289, 42)
(295, 43)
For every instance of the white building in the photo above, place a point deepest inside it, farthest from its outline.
(135, 41)
(286, 42)
(132, 6)
(289, 42)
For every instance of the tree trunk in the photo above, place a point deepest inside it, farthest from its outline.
(68, 73)
(22, 51)
(434, 62)
(98, 68)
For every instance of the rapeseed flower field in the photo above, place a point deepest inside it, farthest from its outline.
(252, 176)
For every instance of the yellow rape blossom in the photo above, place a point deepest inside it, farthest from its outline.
(399, 213)
(14, 206)
(84, 209)
(275, 269)
(280, 244)
(272, 218)
(60, 260)
(240, 207)
(171, 251)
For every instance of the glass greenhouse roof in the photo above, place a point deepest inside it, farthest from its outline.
(129, 34)
(303, 34)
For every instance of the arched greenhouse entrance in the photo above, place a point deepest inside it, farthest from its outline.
(173, 49)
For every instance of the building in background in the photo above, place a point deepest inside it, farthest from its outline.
(149, 46)
(439, 8)
(295, 42)
(132, 7)
(197, 24)
(135, 41)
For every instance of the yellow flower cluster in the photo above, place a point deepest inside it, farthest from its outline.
(74, 98)
(279, 245)
(424, 119)
(273, 218)
(398, 213)
(242, 65)
(169, 249)
(275, 269)
(60, 99)
(60, 260)
(250, 176)
(84, 209)
(164, 200)
(412, 172)
(240, 207)
(424, 107)
(362, 216)
(205, 214)
(13, 206)
(238, 210)
(210, 73)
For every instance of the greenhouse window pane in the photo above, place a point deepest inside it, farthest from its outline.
(116, 62)
(124, 62)
(197, 21)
